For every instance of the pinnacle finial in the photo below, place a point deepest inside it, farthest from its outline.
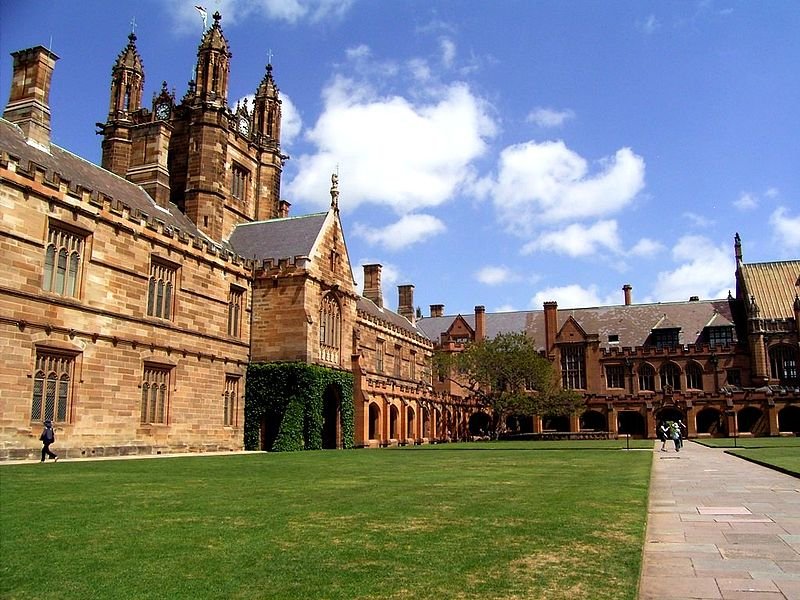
(335, 191)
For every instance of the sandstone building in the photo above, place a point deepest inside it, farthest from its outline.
(725, 367)
(135, 294)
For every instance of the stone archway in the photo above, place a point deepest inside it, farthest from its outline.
(558, 423)
(631, 422)
(789, 419)
(479, 423)
(374, 421)
(394, 422)
(593, 420)
(711, 421)
(332, 418)
(750, 420)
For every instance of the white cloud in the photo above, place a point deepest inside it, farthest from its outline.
(235, 11)
(409, 230)
(540, 183)
(698, 220)
(392, 151)
(646, 247)
(568, 296)
(786, 228)
(549, 117)
(448, 49)
(772, 193)
(496, 275)
(706, 271)
(505, 308)
(578, 240)
(746, 201)
(649, 24)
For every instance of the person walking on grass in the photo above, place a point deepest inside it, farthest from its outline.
(48, 437)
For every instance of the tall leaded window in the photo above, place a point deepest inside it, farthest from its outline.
(239, 182)
(155, 394)
(160, 290)
(647, 378)
(694, 377)
(783, 364)
(573, 367)
(615, 376)
(330, 329)
(670, 377)
(52, 386)
(235, 301)
(379, 356)
(231, 401)
(62, 262)
(398, 360)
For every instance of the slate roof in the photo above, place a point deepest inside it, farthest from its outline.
(631, 323)
(78, 172)
(277, 238)
(774, 285)
(368, 306)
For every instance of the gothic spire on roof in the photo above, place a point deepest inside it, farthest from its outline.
(335, 191)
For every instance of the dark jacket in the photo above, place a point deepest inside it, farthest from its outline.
(48, 435)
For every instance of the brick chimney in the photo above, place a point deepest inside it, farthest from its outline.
(405, 304)
(437, 310)
(372, 284)
(283, 209)
(626, 289)
(480, 323)
(28, 103)
(550, 325)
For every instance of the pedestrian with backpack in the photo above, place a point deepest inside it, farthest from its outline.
(48, 437)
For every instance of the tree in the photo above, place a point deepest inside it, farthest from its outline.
(508, 376)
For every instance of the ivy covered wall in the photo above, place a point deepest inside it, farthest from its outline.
(290, 399)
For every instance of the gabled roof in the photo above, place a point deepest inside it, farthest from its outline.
(76, 171)
(368, 306)
(774, 286)
(632, 324)
(278, 238)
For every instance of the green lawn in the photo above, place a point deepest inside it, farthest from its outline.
(462, 521)
(752, 442)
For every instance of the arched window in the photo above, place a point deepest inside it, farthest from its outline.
(783, 364)
(694, 377)
(647, 378)
(330, 329)
(670, 377)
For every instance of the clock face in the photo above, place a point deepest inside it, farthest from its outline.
(244, 125)
(162, 111)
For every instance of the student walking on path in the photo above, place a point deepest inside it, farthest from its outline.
(48, 437)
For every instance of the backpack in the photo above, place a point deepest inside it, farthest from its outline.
(48, 435)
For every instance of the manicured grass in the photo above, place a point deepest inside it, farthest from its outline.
(488, 520)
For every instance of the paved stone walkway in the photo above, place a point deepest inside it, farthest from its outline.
(720, 527)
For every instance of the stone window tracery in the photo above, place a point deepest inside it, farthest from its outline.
(52, 386)
(330, 328)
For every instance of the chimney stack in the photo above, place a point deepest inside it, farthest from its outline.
(480, 323)
(626, 289)
(28, 103)
(372, 284)
(437, 310)
(405, 304)
(550, 325)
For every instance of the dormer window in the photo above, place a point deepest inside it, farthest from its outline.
(719, 336)
(613, 338)
(665, 338)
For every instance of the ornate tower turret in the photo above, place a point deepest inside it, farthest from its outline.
(213, 66)
(127, 81)
(267, 135)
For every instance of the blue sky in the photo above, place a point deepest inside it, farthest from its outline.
(496, 153)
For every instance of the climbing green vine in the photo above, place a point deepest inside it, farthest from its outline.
(289, 399)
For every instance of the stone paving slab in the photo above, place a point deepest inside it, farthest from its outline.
(720, 527)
